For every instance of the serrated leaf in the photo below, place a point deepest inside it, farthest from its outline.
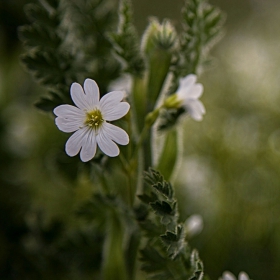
(169, 258)
(164, 188)
(202, 25)
(126, 43)
(162, 208)
(151, 229)
(153, 261)
(148, 198)
(36, 36)
(175, 241)
(46, 67)
(197, 266)
(153, 177)
(37, 13)
(53, 3)
(47, 104)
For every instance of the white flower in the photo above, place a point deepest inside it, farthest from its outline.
(194, 225)
(89, 121)
(229, 276)
(188, 93)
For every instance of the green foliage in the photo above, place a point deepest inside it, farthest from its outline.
(170, 117)
(111, 215)
(166, 254)
(202, 25)
(45, 56)
(89, 23)
(94, 209)
(64, 43)
(169, 154)
(126, 43)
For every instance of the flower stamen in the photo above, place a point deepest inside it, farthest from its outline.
(94, 119)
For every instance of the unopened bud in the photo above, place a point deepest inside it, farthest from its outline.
(172, 102)
(152, 117)
(194, 225)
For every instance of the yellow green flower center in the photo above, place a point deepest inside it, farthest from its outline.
(94, 119)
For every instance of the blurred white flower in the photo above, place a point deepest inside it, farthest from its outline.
(194, 225)
(123, 83)
(188, 93)
(89, 121)
(229, 276)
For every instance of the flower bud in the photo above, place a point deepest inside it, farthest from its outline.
(194, 225)
(159, 44)
(152, 117)
(172, 102)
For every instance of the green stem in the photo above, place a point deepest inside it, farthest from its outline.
(139, 103)
(159, 64)
(169, 154)
(147, 149)
(113, 255)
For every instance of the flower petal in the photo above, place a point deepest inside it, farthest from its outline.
(66, 111)
(243, 276)
(88, 146)
(228, 276)
(106, 145)
(195, 108)
(188, 80)
(112, 113)
(188, 87)
(75, 142)
(78, 96)
(195, 91)
(115, 133)
(68, 124)
(110, 100)
(92, 92)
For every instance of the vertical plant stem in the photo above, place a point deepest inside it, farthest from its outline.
(113, 255)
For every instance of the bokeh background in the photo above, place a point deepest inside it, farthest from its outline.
(229, 173)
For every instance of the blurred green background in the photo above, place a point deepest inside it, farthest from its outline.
(229, 173)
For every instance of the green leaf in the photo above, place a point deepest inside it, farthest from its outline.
(162, 208)
(53, 3)
(202, 28)
(164, 188)
(125, 41)
(153, 261)
(47, 67)
(36, 36)
(151, 228)
(166, 254)
(175, 241)
(153, 177)
(49, 103)
(148, 198)
(197, 266)
(41, 15)
(58, 54)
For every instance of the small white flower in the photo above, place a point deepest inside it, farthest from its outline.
(89, 121)
(188, 93)
(194, 225)
(229, 276)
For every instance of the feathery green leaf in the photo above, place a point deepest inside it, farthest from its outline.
(126, 43)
